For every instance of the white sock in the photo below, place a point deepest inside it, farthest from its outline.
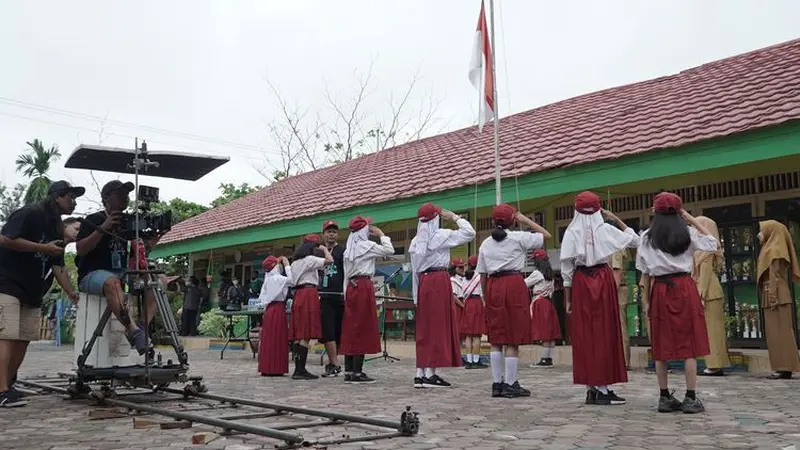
(429, 372)
(472, 358)
(420, 373)
(547, 352)
(511, 369)
(498, 366)
(602, 389)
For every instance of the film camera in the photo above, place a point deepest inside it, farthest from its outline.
(151, 223)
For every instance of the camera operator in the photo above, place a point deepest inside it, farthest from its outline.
(102, 259)
(31, 254)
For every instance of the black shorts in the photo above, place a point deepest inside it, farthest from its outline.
(332, 311)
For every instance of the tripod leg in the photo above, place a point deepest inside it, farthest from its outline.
(165, 311)
(98, 331)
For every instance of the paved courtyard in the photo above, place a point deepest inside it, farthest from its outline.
(744, 411)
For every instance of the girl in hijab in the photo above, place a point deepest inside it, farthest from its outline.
(473, 320)
(777, 261)
(360, 333)
(436, 328)
(273, 354)
(501, 258)
(306, 316)
(590, 293)
(544, 318)
(707, 266)
(666, 253)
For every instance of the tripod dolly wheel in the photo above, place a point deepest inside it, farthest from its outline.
(409, 422)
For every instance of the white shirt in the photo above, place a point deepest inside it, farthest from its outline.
(440, 256)
(275, 287)
(654, 262)
(458, 283)
(568, 264)
(304, 271)
(364, 264)
(508, 254)
(473, 286)
(541, 287)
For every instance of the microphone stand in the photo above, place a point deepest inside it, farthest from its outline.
(385, 354)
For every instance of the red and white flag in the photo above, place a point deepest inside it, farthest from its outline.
(480, 70)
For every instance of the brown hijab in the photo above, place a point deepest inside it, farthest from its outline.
(700, 256)
(776, 244)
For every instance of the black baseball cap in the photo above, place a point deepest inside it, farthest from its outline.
(116, 185)
(62, 187)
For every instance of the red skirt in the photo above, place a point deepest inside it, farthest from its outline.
(273, 348)
(459, 317)
(677, 320)
(306, 320)
(544, 321)
(597, 356)
(360, 333)
(473, 321)
(507, 314)
(437, 338)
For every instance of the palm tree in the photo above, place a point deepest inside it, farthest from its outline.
(34, 163)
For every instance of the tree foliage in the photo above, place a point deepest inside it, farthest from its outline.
(10, 200)
(35, 163)
(230, 192)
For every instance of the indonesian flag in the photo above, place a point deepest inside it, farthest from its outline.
(480, 69)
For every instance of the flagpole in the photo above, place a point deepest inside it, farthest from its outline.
(495, 123)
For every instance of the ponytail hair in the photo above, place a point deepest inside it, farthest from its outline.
(499, 232)
(544, 267)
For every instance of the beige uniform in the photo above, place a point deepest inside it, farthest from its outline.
(619, 262)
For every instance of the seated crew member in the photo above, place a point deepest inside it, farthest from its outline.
(102, 259)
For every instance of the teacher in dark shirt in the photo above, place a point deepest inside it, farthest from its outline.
(331, 298)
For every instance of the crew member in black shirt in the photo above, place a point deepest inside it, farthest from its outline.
(103, 258)
(331, 298)
(31, 255)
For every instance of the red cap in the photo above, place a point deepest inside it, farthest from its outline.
(456, 262)
(358, 222)
(587, 203)
(329, 224)
(540, 253)
(269, 263)
(428, 211)
(473, 260)
(313, 238)
(504, 213)
(667, 203)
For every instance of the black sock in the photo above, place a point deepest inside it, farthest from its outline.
(358, 363)
(348, 364)
(665, 393)
(690, 394)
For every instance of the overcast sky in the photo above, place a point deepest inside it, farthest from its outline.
(196, 67)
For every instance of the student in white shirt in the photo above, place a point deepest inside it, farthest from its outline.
(590, 291)
(273, 354)
(544, 318)
(360, 333)
(437, 338)
(666, 254)
(457, 282)
(473, 320)
(306, 320)
(501, 258)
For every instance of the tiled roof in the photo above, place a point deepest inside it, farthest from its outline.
(744, 92)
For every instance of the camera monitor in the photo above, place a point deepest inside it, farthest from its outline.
(181, 166)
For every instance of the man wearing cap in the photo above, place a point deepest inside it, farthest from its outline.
(331, 290)
(31, 255)
(102, 258)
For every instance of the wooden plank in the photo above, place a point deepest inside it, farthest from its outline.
(203, 438)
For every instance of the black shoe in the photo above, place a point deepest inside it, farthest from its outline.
(782, 375)
(669, 404)
(480, 365)
(11, 399)
(609, 399)
(418, 384)
(470, 365)
(712, 373)
(361, 378)
(497, 390)
(337, 368)
(330, 371)
(692, 406)
(523, 392)
(591, 396)
(304, 375)
(512, 390)
(434, 381)
(544, 363)
(348, 377)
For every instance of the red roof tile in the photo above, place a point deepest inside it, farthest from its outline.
(744, 92)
